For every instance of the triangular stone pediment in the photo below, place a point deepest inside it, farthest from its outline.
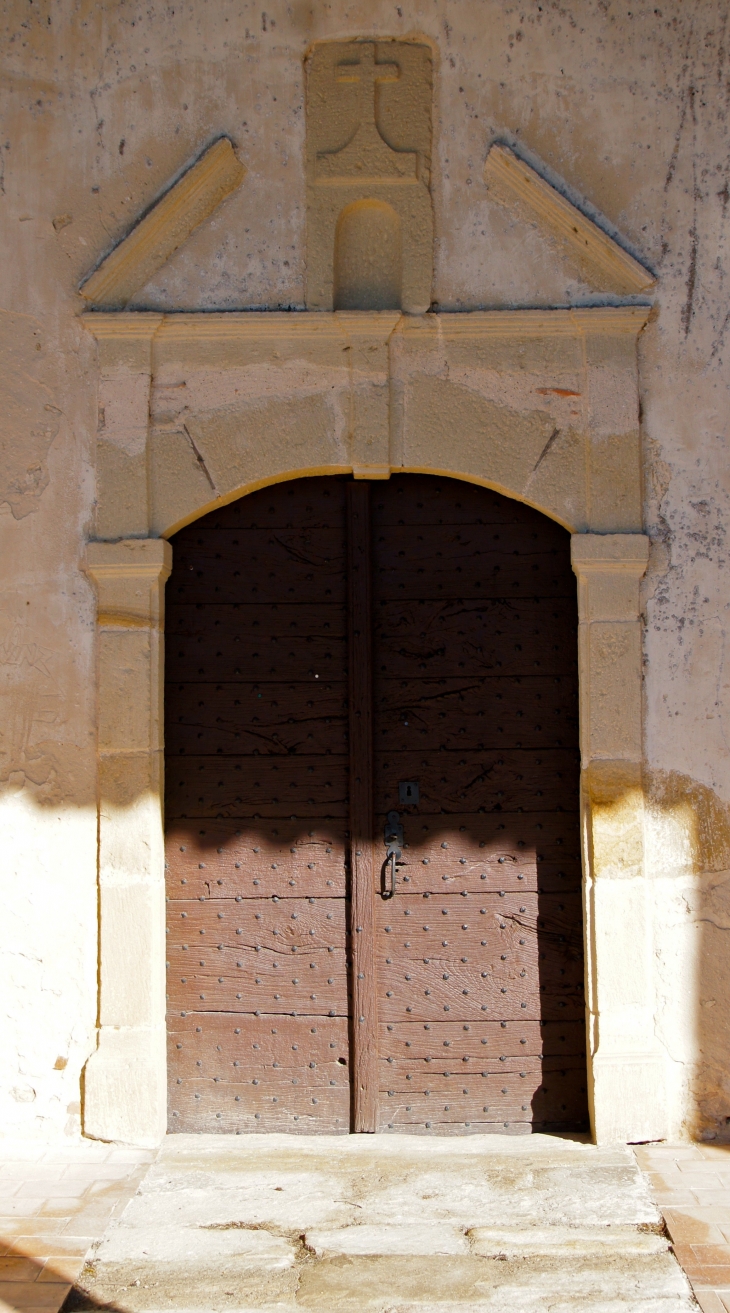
(582, 258)
(598, 260)
(165, 227)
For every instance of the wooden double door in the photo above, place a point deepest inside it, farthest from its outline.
(339, 651)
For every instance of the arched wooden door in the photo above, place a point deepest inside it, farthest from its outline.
(338, 651)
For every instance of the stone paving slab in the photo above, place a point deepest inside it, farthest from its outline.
(392, 1224)
(691, 1185)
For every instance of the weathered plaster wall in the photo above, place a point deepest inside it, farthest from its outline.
(103, 104)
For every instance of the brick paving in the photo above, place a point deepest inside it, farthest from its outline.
(690, 1183)
(54, 1204)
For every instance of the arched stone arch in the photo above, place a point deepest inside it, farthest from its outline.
(197, 410)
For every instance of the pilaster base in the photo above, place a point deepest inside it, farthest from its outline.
(125, 1087)
(628, 1098)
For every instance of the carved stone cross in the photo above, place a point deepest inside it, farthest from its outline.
(367, 73)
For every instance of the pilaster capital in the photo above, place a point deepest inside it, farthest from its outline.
(610, 552)
(609, 567)
(129, 558)
(124, 340)
(129, 576)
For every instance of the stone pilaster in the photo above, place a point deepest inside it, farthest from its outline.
(625, 1065)
(125, 373)
(125, 1079)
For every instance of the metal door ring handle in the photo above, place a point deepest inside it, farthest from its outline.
(387, 887)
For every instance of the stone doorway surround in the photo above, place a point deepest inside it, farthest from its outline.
(196, 410)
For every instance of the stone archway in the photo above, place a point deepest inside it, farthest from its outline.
(196, 410)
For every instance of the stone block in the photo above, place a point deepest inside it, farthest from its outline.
(125, 1086)
(125, 666)
(546, 1239)
(180, 489)
(602, 261)
(242, 448)
(369, 368)
(613, 801)
(124, 401)
(130, 816)
(361, 97)
(132, 971)
(557, 482)
(609, 568)
(615, 498)
(388, 1238)
(121, 482)
(124, 341)
(167, 225)
(628, 1097)
(491, 437)
(622, 966)
(129, 576)
(168, 1242)
(610, 666)
(208, 348)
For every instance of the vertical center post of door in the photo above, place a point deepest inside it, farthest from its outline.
(364, 1051)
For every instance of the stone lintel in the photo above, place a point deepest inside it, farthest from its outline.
(257, 324)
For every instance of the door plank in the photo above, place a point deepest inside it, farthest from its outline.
(301, 503)
(448, 638)
(468, 563)
(490, 851)
(495, 779)
(254, 642)
(364, 994)
(408, 499)
(417, 712)
(278, 926)
(262, 566)
(498, 1096)
(229, 1108)
(262, 786)
(511, 1039)
(255, 859)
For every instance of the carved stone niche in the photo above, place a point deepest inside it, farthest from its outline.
(369, 215)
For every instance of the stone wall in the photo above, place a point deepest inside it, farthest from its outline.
(626, 112)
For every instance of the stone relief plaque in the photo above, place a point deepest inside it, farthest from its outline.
(369, 215)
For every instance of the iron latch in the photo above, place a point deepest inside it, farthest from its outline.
(393, 839)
